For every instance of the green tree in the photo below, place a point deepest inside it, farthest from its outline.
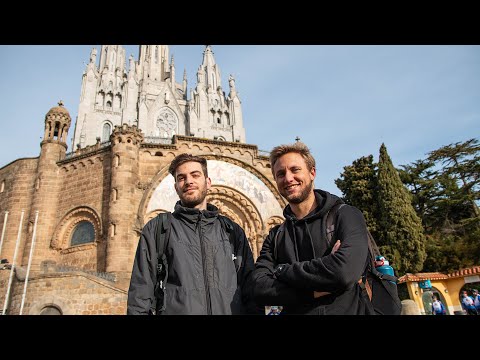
(419, 177)
(461, 161)
(357, 183)
(401, 238)
(445, 189)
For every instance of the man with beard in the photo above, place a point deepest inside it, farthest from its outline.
(298, 268)
(208, 262)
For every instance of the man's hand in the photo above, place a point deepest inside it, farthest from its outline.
(317, 294)
(336, 246)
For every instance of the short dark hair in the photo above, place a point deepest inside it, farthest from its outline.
(184, 158)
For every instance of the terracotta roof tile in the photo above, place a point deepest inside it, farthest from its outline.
(439, 276)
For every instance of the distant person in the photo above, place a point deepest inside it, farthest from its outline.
(207, 274)
(476, 300)
(437, 307)
(468, 304)
(275, 310)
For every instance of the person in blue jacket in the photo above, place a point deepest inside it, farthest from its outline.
(437, 307)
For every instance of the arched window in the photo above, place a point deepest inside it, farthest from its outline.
(156, 54)
(51, 310)
(84, 233)
(106, 132)
(56, 130)
(117, 102)
(109, 99)
(100, 98)
(2, 187)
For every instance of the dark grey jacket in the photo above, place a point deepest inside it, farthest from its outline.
(202, 278)
(309, 266)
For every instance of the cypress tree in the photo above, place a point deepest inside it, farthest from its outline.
(401, 237)
(357, 183)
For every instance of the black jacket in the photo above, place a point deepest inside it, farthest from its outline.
(309, 264)
(202, 278)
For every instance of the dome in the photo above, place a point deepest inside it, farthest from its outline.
(59, 113)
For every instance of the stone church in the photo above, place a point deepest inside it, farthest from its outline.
(70, 222)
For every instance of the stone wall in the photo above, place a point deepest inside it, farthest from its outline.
(73, 293)
(18, 180)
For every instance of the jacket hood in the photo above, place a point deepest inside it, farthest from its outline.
(325, 201)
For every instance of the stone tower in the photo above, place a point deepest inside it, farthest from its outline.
(47, 183)
(125, 144)
(147, 95)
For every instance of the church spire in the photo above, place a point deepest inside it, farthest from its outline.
(212, 73)
(184, 82)
(172, 73)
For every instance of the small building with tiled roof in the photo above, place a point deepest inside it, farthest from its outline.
(422, 286)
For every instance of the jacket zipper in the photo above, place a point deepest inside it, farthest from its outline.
(205, 274)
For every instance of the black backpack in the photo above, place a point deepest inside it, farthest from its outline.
(381, 288)
(161, 238)
(377, 288)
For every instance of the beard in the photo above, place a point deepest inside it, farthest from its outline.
(190, 201)
(298, 198)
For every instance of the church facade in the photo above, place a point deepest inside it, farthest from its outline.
(70, 222)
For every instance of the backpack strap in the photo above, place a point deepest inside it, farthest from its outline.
(161, 238)
(227, 225)
(330, 221)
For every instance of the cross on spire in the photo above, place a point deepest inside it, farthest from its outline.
(297, 139)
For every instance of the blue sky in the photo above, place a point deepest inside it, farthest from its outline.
(342, 101)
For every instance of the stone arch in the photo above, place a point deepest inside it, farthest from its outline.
(249, 153)
(272, 222)
(143, 212)
(241, 209)
(51, 300)
(65, 227)
(151, 214)
(252, 170)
